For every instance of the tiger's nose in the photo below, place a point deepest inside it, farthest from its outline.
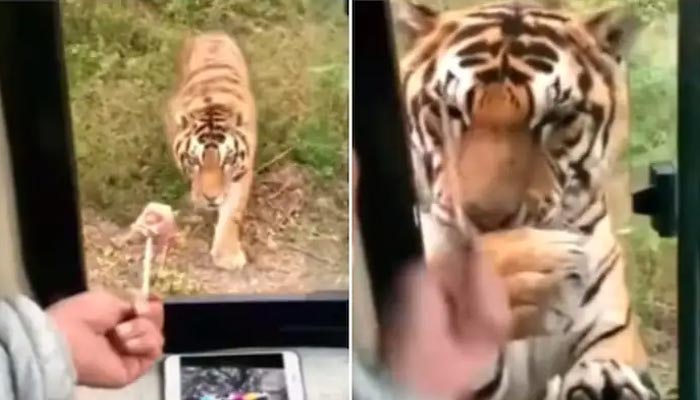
(210, 199)
(487, 219)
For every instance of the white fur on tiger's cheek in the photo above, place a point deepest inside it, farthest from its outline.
(224, 149)
(229, 142)
(540, 88)
(455, 93)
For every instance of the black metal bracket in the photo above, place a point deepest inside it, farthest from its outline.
(36, 107)
(660, 199)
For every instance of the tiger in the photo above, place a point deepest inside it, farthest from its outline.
(211, 124)
(516, 114)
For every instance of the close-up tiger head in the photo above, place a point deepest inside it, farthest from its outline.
(211, 150)
(515, 111)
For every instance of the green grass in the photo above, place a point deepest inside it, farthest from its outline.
(121, 62)
(652, 260)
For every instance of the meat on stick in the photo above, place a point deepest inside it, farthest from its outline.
(157, 224)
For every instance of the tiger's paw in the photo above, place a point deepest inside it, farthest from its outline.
(558, 251)
(543, 251)
(547, 273)
(600, 380)
(231, 261)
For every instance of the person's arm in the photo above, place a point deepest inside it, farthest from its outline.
(373, 382)
(35, 363)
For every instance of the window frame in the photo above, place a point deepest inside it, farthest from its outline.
(689, 199)
(389, 228)
(688, 267)
(34, 90)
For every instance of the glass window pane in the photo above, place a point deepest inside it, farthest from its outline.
(548, 117)
(123, 60)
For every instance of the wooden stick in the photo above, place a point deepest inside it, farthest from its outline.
(146, 276)
(451, 135)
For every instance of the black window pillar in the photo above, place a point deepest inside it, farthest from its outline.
(37, 116)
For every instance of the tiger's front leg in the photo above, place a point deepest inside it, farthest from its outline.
(613, 371)
(610, 360)
(603, 379)
(227, 250)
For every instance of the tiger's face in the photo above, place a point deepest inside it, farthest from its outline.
(209, 179)
(514, 108)
(213, 156)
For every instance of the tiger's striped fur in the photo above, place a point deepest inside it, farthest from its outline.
(211, 125)
(516, 114)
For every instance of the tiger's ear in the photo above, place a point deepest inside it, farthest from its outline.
(615, 30)
(413, 20)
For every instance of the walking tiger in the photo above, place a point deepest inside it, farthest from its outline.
(211, 124)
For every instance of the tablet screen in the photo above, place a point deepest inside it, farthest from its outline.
(233, 377)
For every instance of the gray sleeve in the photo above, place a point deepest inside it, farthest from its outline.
(371, 382)
(34, 360)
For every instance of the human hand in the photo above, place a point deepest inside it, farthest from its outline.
(448, 328)
(112, 341)
(450, 320)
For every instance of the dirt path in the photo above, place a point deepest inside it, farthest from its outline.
(296, 237)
